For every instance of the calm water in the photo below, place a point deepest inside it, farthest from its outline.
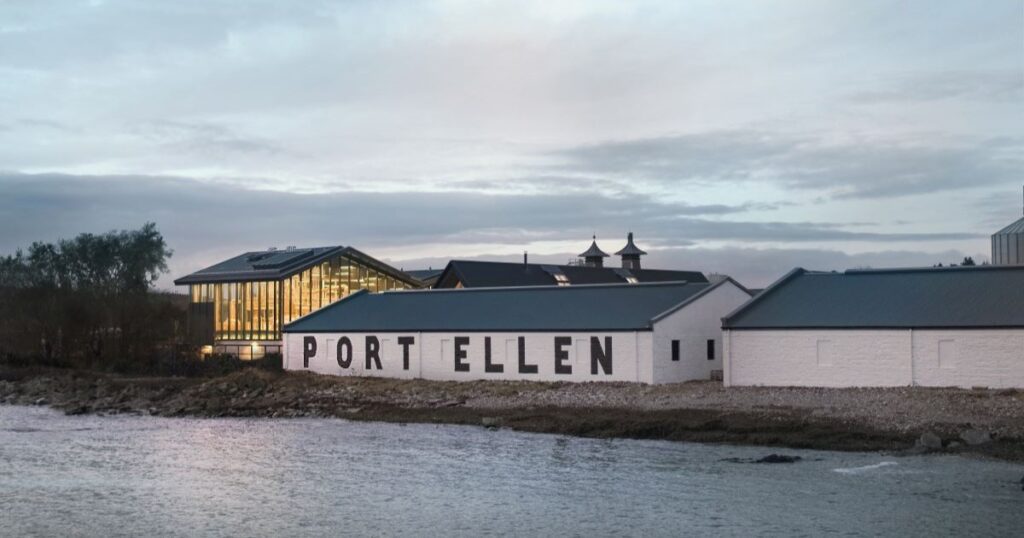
(103, 476)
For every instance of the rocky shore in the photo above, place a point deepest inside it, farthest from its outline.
(987, 422)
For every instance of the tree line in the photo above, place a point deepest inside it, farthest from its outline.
(88, 301)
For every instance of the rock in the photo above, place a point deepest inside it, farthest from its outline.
(930, 441)
(954, 444)
(975, 437)
(490, 422)
(41, 401)
(778, 458)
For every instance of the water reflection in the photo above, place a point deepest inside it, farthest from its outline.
(181, 477)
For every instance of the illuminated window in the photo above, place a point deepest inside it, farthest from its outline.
(561, 279)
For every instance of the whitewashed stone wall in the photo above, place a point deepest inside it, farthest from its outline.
(433, 356)
(693, 326)
(861, 358)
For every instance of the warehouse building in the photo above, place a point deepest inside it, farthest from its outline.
(650, 333)
(934, 327)
(239, 305)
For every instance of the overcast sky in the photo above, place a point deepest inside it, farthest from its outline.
(736, 137)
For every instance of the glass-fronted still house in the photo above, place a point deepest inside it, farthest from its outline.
(238, 306)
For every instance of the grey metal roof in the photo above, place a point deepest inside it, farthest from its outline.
(958, 297)
(615, 307)
(594, 251)
(630, 249)
(277, 264)
(482, 274)
(1013, 229)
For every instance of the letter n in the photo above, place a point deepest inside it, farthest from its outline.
(599, 356)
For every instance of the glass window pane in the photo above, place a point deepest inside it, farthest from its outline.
(315, 288)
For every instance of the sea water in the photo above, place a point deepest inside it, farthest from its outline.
(147, 476)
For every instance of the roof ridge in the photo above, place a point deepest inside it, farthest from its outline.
(549, 287)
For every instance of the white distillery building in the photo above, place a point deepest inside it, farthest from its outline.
(933, 327)
(650, 333)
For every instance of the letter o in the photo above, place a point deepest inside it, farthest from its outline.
(344, 352)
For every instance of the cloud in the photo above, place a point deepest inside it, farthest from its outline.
(861, 169)
(205, 221)
(201, 137)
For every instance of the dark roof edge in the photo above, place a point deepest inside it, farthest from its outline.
(796, 272)
(550, 287)
(351, 296)
(448, 268)
(236, 276)
(698, 295)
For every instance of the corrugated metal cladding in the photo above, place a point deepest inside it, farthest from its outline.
(962, 297)
(611, 307)
(1008, 245)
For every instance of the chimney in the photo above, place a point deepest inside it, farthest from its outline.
(524, 258)
(630, 254)
(593, 256)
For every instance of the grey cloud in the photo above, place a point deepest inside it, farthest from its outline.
(206, 221)
(864, 169)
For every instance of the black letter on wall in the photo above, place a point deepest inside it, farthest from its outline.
(602, 357)
(372, 352)
(405, 342)
(308, 349)
(344, 352)
(523, 367)
(488, 367)
(460, 353)
(561, 355)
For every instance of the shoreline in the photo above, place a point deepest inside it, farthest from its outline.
(876, 420)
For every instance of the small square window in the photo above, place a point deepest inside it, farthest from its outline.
(711, 349)
(675, 350)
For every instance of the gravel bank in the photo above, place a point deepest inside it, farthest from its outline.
(838, 419)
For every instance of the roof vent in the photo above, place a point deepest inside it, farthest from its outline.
(594, 256)
(630, 254)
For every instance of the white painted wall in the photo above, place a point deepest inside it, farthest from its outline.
(432, 356)
(693, 326)
(852, 358)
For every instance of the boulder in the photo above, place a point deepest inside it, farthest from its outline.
(930, 441)
(490, 422)
(976, 437)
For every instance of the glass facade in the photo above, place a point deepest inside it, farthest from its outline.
(256, 310)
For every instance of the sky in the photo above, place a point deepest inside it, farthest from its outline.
(735, 137)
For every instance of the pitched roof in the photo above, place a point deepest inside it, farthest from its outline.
(630, 249)
(277, 264)
(958, 297)
(477, 274)
(594, 251)
(1014, 228)
(606, 307)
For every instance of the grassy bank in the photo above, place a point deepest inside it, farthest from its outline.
(833, 419)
